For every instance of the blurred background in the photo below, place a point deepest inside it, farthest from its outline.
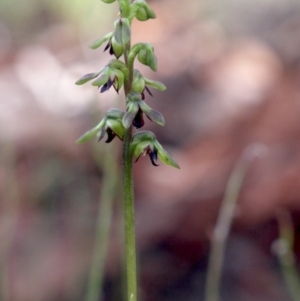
(232, 71)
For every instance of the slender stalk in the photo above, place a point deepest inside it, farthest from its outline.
(11, 206)
(129, 219)
(128, 189)
(108, 193)
(224, 221)
(285, 254)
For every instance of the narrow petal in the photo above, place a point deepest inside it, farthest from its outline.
(147, 89)
(164, 156)
(103, 131)
(107, 46)
(130, 114)
(152, 114)
(87, 78)
(106, 86)
(100, 41)
(154, 84)
(91, 133)
(103, 78)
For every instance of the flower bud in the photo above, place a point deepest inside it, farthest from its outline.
(144, 11)
(141, 14)
(147, 57)
(108, 1)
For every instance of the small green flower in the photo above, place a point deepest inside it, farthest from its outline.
(143, 11)
(145, 143)
(135, 109)
(141, 83)
(145, 54)
(109, 77)
(111, 124)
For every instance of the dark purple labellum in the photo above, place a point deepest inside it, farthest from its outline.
(107, 46)
(148, 91)
(138, 120)
(110, 135)
(153, 157)
(106, 86)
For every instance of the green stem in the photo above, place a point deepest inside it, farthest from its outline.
(286, 256)
(225, 219)
(221, 232)
(128, 181)
(129, 218)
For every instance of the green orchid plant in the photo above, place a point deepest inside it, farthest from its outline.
(118, 74)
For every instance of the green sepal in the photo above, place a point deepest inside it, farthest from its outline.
(144, 12)
(141, 14)
(133, 97)
(117, 48)
(142, 56)
(108, 1)
(147, 57)
(120, 78)
(133, 9)
(84, 79)
(122, 31)
(155, 84)
(91, 133)
(164, 156)
(140, 137)
(138, 82)
(117, 64)
(140, 148)
(143, 135)
(96, 44)
(128, 117)
(117, 127)
(115, 113)
(103, 78)
(152, 61)
(151, 14)
(152, 114)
